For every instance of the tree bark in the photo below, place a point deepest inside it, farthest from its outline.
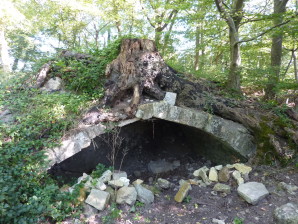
(276, 50)
(295, 65)
(233, 19)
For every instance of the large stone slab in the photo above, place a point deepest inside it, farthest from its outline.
(144, 195)
(252, 192)
(286, 214)
(98, 199)
(126, 195)
(233, 134)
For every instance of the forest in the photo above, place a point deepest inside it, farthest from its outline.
(243, 52)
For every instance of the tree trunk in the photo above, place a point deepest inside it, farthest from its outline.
(157, 37)
(4, 55)
(276, 50)
(140, 71)
(235, 61)
(197, 48)
(295, 65)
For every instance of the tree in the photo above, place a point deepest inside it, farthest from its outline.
(233, 19)
(276, 48)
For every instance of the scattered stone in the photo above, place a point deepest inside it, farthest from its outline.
(230, 166)
(163, 183)
(204, 177)
(89, 210)
(214, 193)
(117, 174)
(100, 185)
(218, 167)
(125, 181)
(98, 199)
(170, 98)
(144, 195)
(112, 193)
(116, 183)
(54, 84)
(213, 176)
(286, 214)
(162, 166)
(288, 187)
(242, 168)
(237, 176)
(106, 176)
(222, 188)
(126, 195)
(82, 178)
(195, 181)
(181, 182)
(6, 116)
(183, 191)
(196, 173)
(252, 192)
(224, 175)
(218, 221)
(137, 181)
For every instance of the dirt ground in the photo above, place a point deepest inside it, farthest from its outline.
(203, 204)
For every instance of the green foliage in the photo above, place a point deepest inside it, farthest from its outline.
(238, 221)
(27, 193)
(99, 170)
(113, 214)
(187, 199)
(87, 76)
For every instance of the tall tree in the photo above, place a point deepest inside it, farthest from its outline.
(233, 18)
(276, 48)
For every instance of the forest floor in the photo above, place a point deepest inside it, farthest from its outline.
(203, 205)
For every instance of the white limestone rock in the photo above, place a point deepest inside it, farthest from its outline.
(98, 199)
(286, 214)
(126, 195)
(144, 195)
(213, 175)
(252, 192)
(237, 176)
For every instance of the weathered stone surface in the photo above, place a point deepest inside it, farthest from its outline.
(235, 135)
(237, 176)
(204, 177)
(100, 185)
(170, 98)
(98, 199)
(53, 84)
(137, 181)
(6, 116)
(163, 183)
(112, 193)
(73, 144)
(126, 195)
(117, 174)
(161, 166)
(222, 188)
(218, 167)
(213, 176)
(125, 181)
(242, 168)
(286, 214)
(89, 210)
(218, 221)
(106, 176)
(252, 192)
(196, 173)
(224, 175)
(144, 195)
(183, 191)
(290, 188)
(116, 183)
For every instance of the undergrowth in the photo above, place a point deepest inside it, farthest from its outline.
(27, 193)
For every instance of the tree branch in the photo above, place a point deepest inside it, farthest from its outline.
(263, 33)
(173, 13)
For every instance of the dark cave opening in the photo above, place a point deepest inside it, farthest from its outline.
(147, 141)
